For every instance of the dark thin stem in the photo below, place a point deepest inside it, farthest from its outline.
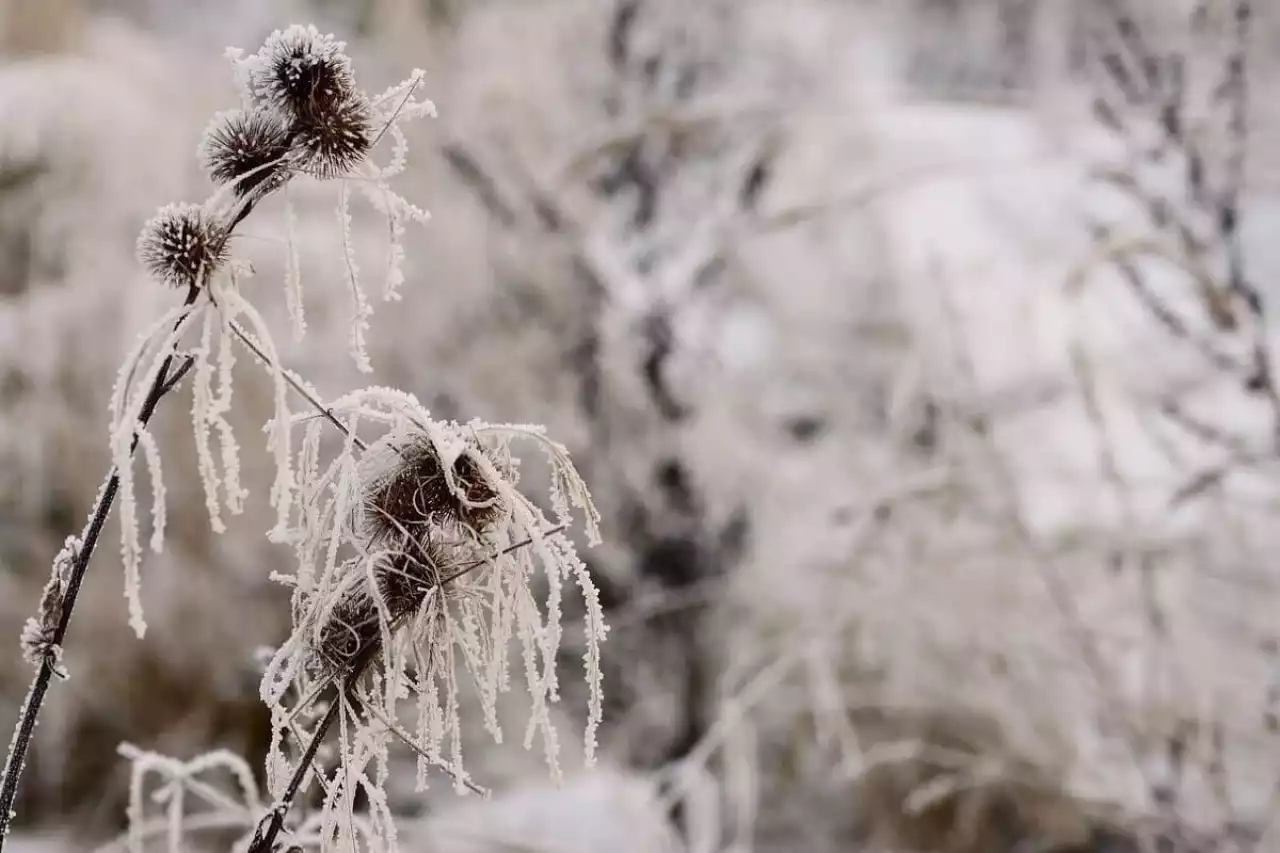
(297, 386)
(265, 838)
(269, 828)
(184, 367)
(475, 564)
(21, 743)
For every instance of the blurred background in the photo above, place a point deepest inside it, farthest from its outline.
(919, 354)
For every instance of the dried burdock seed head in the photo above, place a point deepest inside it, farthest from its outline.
(403, 579)
(409, 492)
(247, 149)
(347, 630)
(302, 73)
(182, 245)
(332, 142)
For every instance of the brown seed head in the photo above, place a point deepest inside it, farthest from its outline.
(333, 141)
(249, 149)
(182, 245)
(403, 580)
(302, 73)
(414, 498)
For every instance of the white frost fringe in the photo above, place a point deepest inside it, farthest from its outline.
(212, 382)
(467, 627)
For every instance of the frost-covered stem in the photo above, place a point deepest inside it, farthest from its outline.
(31, 706)
(326, 412)
(265, 838)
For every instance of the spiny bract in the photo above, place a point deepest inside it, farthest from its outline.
(182, 245)
(333, 141)
(249, 149)
(301, 72)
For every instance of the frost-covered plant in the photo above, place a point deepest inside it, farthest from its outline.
(415, 557)
(416, 554)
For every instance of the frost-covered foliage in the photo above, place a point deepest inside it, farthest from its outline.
(301, 82)
(378, 611)
(214, 792)
(1006, 562)
(416, 556)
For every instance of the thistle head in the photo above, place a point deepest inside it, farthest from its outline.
(414, 488)
(348, 628)
(301, 73)
(333, 141)
(182, 245)
(402, 581)
(248, 149)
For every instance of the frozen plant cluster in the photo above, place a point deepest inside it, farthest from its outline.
(418, 559)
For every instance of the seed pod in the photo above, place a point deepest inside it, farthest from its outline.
(333, 141)
(405, 577)
(409, 494)
(302, 73)
(182, 245)
(403, 580)
(347, 630)
(249, 150)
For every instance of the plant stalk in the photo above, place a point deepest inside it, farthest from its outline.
(31, 706)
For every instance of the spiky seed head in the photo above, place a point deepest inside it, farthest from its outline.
(249, 149)
(408, 495)
(404, 576)
(403, 580)
(349, 628)
(332, 142)
(302, 73)
(182, 245)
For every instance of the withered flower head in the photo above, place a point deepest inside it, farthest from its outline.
(409, 495)
(306, 80)
(302, 73)
(332, 142)
(403, 580)
(350, 627)
(419, 517)
(248, 149)
(182, 245)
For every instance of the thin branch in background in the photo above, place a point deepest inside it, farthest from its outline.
(1213, 476)
(486, 191)
(1203, 430)
(1111, 709)
(1235, 92)
(1174, 324)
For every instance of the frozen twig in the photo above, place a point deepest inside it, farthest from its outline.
(166, 380)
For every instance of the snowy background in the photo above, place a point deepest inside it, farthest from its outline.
(903, 344)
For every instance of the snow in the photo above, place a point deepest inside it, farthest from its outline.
(604, 810)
